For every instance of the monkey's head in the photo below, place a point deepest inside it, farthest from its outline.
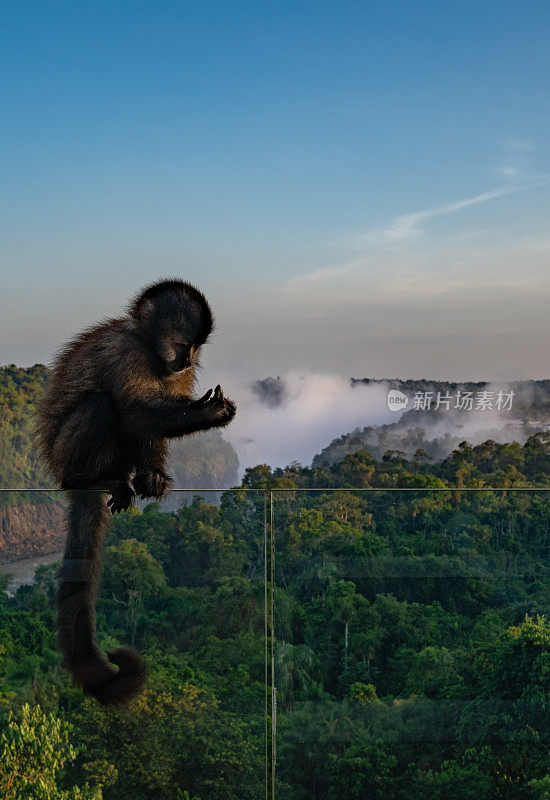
(175, 320)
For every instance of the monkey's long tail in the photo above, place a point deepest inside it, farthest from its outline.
(87, 520)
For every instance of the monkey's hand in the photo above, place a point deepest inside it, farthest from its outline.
(214, 408)
(122, 497)
(152, 484)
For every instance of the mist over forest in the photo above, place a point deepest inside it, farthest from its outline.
(314, 417)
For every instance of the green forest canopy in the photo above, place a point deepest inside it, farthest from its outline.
(412, 652)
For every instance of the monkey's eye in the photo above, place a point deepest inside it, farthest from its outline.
(177, 339)
(167, 351)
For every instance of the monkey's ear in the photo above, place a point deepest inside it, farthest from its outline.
(142, 309)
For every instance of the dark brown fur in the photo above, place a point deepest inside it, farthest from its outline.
(116, 393)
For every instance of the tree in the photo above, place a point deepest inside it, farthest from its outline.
(516, 659)
(130, 575)
(34, 750)
(433, 673)
(421, 457)
(293, 667)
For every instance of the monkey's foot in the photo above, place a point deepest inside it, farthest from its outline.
(122, 497)
(152, 484)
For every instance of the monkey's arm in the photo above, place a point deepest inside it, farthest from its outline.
(151, 455)
(151, 479)
(168, 417)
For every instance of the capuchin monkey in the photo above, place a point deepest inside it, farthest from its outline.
(116, 393)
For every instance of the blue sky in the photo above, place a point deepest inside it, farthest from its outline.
(359, 187)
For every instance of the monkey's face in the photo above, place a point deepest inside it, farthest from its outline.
(176, 351)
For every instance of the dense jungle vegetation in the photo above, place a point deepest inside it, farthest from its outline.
(412, 642)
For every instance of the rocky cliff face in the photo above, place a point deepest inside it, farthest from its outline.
(30, 529)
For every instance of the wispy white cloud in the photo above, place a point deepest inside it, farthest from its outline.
(458, 276)
(515, 161)
(408, 225)
(399, 264)
(510, 171)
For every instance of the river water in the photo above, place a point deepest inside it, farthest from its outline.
(22, 572)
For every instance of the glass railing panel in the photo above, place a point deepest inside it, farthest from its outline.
(186, 588)
(411, 644)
